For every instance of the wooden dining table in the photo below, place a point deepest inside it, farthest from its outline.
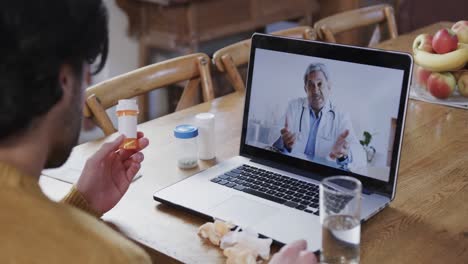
(426, 223)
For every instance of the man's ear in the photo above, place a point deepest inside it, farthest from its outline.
(67, 80)
(87, 75)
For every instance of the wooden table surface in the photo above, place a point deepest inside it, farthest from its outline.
(426, 223)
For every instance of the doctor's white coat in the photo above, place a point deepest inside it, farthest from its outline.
(332, 124)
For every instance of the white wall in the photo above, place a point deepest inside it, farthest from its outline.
(123, 51)
(122, 57)
(369, 94)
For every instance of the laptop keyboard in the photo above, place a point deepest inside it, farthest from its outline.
(272, 186)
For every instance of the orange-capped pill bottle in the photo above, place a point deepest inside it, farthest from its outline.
(127, 114)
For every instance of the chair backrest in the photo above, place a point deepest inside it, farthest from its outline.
(328, 27)
(195, 68)
(229, 58)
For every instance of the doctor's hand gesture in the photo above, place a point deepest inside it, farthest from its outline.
(288, 137)
(341, 147)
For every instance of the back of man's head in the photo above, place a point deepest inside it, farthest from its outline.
(38, 37)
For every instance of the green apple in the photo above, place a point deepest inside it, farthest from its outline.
(463, 84)
(461, 29)
(423, 42)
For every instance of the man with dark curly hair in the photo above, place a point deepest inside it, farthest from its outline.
(46, 51)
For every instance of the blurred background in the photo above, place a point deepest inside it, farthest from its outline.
(147, 31)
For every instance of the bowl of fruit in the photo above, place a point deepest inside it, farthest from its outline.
(441, 70)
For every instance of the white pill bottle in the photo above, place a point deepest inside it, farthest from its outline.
(206, 138)
(127, 114)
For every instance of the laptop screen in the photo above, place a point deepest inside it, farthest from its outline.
(339, 114)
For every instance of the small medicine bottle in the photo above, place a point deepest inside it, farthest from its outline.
(187, 151)
(206, 135)
(127, 113)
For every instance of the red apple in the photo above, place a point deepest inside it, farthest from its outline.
(461, 29)
(441, 84)
(422, 75)
(463, 84)
(423, 42)
(444, 41)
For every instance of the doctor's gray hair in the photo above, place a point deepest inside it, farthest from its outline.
(313, 67)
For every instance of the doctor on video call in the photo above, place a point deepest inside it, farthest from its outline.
(315, 129)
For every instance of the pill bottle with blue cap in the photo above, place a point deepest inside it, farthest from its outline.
(187, 150)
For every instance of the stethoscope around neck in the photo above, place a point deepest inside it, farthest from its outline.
(302, 114)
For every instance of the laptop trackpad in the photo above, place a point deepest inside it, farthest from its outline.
(242, 211)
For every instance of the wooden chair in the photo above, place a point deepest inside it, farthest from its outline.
(229, 58)
(328, 27)
(195, 68)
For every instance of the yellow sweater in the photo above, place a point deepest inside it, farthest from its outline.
(34, 229)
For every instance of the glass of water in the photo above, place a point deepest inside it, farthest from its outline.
(340, 214)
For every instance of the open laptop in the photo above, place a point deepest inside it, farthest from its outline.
(314, 91)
